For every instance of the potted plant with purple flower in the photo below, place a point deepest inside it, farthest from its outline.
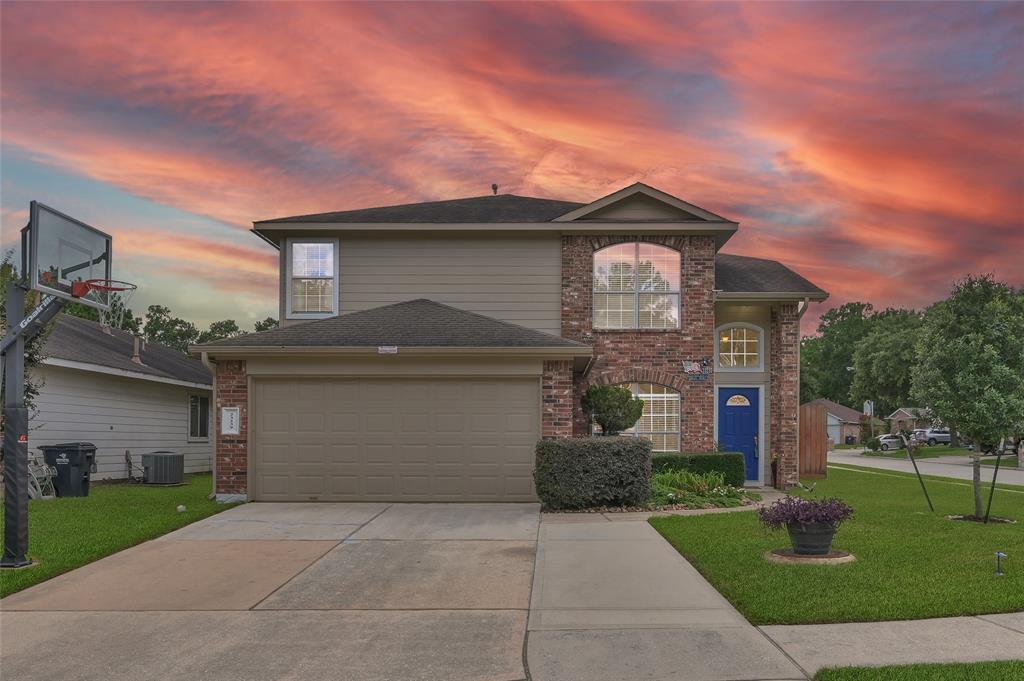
(811, 522)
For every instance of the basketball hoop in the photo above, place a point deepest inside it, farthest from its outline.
(114, 293)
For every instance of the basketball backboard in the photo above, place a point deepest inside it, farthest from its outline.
(58, 250)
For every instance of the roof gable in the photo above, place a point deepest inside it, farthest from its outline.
(840, 411)
(641, 202)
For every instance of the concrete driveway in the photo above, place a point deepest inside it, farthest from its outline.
(364, 592)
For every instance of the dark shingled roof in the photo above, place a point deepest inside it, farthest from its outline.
(500, 208)
(81, 340)
(840, 411)
(415, 323)
(740, 274)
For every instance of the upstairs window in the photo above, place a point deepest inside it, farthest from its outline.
(636, 286)
(312, 278)
(740, 348)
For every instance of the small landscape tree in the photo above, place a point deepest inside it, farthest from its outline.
(613, 407)
(970, 353)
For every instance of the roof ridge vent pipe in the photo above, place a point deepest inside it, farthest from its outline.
(137, 343)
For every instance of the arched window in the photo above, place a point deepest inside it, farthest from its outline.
(740, 347)
(636, 286)
(660, 420)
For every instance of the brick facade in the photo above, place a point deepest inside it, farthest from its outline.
(784, 390)
(557, 399)
(650, 355)
(232, 451)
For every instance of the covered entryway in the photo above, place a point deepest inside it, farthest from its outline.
(394, 438)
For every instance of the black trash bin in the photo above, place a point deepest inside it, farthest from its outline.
(851, 439)
(75, 462)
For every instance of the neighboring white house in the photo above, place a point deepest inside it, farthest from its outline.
(93, 391)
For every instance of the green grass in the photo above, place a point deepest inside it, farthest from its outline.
(968, 671)
(67, 533)
(911, 563)
(923, 452)
(846, 446)
(1007, 462)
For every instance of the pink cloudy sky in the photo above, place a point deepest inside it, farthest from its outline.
(875, 148)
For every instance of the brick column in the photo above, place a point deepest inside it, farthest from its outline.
(785, 391)
(232, 451)
(557, 395)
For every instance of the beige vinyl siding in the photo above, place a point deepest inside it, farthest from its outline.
(513, 278)
(116, 413)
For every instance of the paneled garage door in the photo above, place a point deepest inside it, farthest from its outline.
(394, 439)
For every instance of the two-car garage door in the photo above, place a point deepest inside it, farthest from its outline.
(394, 439)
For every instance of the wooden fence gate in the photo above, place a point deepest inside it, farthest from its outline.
(813, 440)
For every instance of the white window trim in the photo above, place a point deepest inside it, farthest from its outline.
(188, 417)
(289, 314)
(636, 257)
(760, 347)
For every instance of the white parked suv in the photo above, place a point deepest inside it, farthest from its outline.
(934, 436)
(887, 442)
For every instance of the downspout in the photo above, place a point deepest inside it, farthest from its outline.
(211, 366)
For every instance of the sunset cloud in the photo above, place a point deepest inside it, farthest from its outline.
(874, 148)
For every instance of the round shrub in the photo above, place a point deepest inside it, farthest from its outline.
(593, 471)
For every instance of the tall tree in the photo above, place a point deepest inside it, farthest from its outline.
(884, 361)
(840, 329)
(226, 328)
(810, 368)
(266, 324)
(35, 348)
(174, 332)
(970, 356)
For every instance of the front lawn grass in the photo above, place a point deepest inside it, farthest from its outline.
(966, 671)
(911, 563)
(67, 533)
(1007, 462)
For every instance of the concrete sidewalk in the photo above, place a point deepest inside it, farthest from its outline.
(943, 640)
(1009, 476)
(613, 601)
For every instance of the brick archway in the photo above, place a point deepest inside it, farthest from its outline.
(635, 375)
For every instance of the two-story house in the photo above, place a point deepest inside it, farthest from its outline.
(425, 348)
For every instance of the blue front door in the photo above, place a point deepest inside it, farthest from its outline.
(738, 430)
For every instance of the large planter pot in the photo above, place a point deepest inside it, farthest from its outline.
(811, 539)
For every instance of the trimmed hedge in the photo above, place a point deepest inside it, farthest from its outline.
(730, 464)
(593, 471)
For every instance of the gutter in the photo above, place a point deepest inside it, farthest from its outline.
(211, 351)
(212, 368)
(772, 296)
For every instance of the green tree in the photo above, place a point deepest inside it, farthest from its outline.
(174, 332)
(266, 324)
(810, 368)
(613, 407)
(226, 328)
(35, 348)
(840, 329)
(884, 361)
(970, 356)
